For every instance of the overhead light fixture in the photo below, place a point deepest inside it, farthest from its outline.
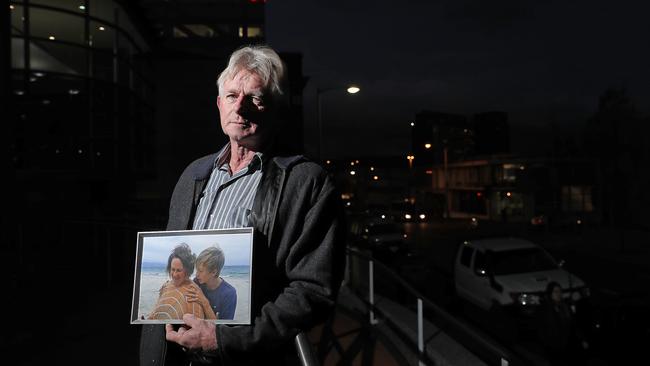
(101, 28)
(39, 74)
(81, 7)
(353, 89)
(51, 38)
(19, 92)
(73, 91)
(11, 7)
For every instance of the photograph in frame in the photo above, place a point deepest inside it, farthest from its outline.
(164, 288)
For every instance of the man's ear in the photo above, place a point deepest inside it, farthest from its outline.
(219, 101)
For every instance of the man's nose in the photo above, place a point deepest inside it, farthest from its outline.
(243, 105)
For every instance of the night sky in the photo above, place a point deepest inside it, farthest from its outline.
(543, 62)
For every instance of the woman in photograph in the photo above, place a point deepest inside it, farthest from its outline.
(173, 298)
(221, 294)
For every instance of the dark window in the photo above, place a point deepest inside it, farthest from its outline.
(466, 256)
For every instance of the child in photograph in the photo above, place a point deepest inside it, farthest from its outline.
(221, 294)
(173, 299)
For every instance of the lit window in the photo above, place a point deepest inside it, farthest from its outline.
(179, 33)
(251, 32)
(199, 30)
(254, 32)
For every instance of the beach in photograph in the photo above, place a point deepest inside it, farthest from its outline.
(153, 276)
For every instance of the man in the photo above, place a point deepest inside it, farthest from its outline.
(298, 243)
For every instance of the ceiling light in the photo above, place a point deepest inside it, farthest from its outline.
(81, 7)
(73, 91)
(101, 28)
(51, 38)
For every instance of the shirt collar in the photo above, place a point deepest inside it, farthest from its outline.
(223, 158)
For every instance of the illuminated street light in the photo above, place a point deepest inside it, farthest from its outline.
(352, 89)
(375, 177)
(352, 172)
(427, 146)
(410, 159)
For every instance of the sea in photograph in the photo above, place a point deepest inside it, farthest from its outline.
(153, 276)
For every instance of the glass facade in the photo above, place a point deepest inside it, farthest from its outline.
(80, 87)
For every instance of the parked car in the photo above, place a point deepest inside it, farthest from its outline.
(384, 238)
(510, 273)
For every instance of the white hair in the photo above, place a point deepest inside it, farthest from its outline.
(260, 59)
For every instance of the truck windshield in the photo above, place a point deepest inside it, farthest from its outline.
(521, 261)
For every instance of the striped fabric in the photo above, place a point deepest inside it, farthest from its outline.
(172, 305)
(227, 200)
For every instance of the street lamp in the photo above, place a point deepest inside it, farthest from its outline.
(410, 159)
(351, 89)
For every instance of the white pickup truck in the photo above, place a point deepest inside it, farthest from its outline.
(509, 272)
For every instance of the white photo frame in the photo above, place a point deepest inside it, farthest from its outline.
(152, 256)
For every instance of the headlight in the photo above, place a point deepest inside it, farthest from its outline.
(525, 299)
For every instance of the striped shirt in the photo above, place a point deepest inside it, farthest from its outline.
(227, 200)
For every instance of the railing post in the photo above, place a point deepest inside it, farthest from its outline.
(420, 333)
(371, 280)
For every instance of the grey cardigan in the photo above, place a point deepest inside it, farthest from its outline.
(298, 260)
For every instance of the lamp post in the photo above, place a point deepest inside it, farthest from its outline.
(352, 89)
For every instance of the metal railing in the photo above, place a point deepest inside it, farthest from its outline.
(379, 276)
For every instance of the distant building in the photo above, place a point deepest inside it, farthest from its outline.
(491, 133)
(439, 138)
(80, 135)
(508, 188)
(81, 89)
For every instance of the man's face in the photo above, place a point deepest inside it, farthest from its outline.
(202, 274)
(244, 110)
(177, 272)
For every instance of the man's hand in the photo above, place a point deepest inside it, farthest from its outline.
(194, 334)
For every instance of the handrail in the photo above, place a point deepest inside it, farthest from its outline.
(489, 345)
(305, 351)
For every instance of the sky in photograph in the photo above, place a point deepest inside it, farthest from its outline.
(545, 63)
(236, 247)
